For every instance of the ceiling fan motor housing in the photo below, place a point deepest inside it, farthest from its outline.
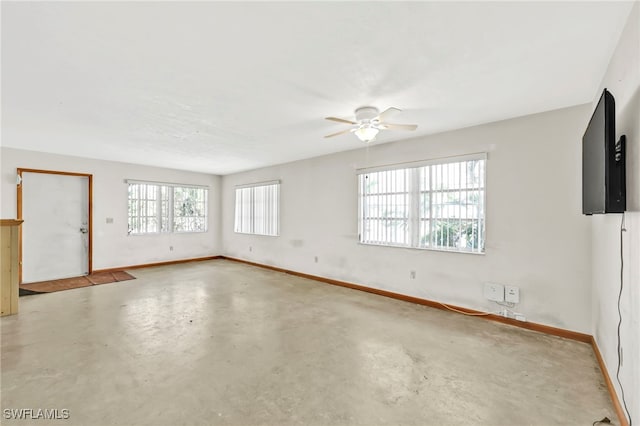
(366, 113)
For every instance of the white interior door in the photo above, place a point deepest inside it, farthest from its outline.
(55, 243)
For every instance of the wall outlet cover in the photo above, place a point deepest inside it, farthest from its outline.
(512, 294)
(493, 291)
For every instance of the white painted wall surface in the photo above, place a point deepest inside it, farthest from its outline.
(112, 247)
(623, 80)
(537, 238)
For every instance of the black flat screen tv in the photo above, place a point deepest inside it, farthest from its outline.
(603, 161)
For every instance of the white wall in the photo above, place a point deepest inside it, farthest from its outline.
(112, 247)
(537, 238)
(623, 80)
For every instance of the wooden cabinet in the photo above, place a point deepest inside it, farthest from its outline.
(10, 228)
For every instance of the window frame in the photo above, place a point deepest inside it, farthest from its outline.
(169, 219)
(238, 228)
(415, 218)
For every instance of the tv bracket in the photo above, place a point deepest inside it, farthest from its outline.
(619, 147)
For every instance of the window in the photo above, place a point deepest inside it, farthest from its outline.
(257, 209)
(385, 206)
(161, 207)
(435, 204)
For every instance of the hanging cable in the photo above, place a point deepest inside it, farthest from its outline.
(624, 401)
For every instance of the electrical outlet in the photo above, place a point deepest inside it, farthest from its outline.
(493, 291)
(412, 275)
(250, 248)
(315, 259)
(512, 294)
(170, 248)
(109, 220)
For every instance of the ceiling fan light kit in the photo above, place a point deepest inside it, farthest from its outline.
(369, 122)
(366, 134)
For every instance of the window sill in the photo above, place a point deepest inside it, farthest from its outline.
(151, 234)
(424, 248)
(257, 235)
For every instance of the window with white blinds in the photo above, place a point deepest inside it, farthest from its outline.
(437, 204)
(258, 209)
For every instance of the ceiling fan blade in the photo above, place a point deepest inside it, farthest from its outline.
(340, 120)
(388, 112)
(338, 133)
(389, 126)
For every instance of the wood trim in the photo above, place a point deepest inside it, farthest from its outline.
(165, 263)
(90, 224)
(10, 222)
(546, 329)
(89, 213)
(622, 418)
(50, 172)
(19, 216)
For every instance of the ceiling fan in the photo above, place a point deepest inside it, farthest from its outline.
(369, 121)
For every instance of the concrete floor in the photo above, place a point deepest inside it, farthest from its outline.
(223, 343)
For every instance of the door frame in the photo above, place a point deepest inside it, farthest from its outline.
(89, 212)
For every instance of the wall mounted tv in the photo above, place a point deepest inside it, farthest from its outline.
(603, 161)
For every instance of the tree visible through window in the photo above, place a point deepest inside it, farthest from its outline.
(156, 208)
(439, 205)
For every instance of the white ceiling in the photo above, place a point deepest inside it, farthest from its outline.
(225, 87)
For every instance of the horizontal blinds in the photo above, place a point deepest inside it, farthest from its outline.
(421, 163)
(170, 184)
(251, 185)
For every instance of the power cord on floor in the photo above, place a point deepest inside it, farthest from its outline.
(606, 420)
(507, 305)
(471, 314)
(624, 401)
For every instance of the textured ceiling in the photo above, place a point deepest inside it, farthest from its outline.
(225, 87)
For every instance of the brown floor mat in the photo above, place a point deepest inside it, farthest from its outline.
(76, 282)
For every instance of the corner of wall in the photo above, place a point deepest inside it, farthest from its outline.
(615, 274)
